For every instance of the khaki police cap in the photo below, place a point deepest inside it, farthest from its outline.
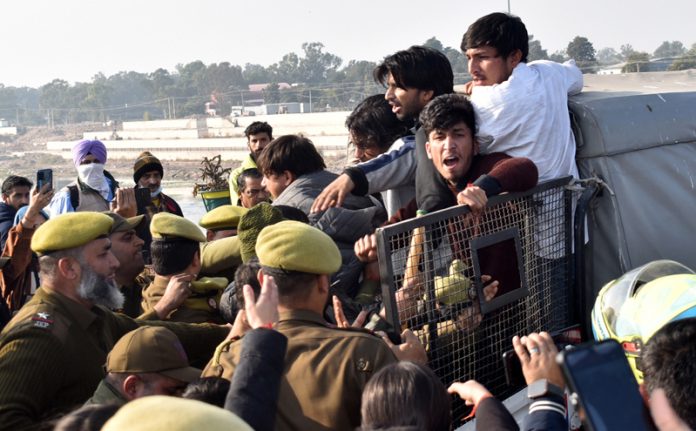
(122, 224)
(220, 257)
(151, 349)
(222, 217)
(162, 413)
(166, 226)
(295, 246)
(70, 230)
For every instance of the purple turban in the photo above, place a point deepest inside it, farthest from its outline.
(82, 148)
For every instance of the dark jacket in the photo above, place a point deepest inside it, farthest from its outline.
(357, 217)
(253, 394)
(106, 394)
(545, 414)
(7, 215)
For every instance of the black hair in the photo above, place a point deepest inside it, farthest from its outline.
(669, 363)
(14, 181)
(292, 213)
(210, 390)
(258, 127)
(247, 273)
(405, 394)
(247, 173)
(374, 124)
(417, 67)
(443, 112)
(292, 285)
(172, 257)
(506, 33)
(293, 153)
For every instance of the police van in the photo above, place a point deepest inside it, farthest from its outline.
(635, 203)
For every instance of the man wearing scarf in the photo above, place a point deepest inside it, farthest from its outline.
(148, 173)
(94, 189)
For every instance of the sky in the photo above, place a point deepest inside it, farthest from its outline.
(76, 39)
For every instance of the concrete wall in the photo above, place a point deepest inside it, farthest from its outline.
(192, 149)
(8, 131)
(185, 123)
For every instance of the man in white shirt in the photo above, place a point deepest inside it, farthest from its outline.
(521, 109)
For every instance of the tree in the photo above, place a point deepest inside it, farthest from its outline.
(686, 61)
(637, 62)
(669, 49)
(536, 52)
(271, 94)
(434, 43)
(287, 69)
(583, 52)
(255, 74)
(608, 56)
(97, 98)
(559, 56)
(457, 60)
(626, 51)
(316, 64)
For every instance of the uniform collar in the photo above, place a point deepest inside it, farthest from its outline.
(106, 393)
(160, 283)
(303, 315)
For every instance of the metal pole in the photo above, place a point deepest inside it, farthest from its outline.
(508, 6)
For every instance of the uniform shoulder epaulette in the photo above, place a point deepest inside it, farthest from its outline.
(43, 316)
(216, 364)
(356, 330)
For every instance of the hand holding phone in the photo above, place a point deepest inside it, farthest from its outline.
(602, 382)
(43, 177)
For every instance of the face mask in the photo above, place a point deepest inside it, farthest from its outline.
(91, 174)
(156, 192)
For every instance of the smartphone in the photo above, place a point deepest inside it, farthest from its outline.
(44, 176)
(511, 362)
(143, 199)
(601, 381)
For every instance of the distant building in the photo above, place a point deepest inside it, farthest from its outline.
(258, 88)
(611, 69)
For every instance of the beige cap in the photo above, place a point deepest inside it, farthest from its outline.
(151, 349)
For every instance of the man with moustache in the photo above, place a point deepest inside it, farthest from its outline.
(412, 78)
(53, 351)
(258, 134)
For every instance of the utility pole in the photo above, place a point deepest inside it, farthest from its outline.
(310, 100)
(508, 7)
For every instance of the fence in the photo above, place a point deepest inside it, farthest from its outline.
(436, 273)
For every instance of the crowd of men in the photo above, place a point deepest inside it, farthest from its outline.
(114, 305)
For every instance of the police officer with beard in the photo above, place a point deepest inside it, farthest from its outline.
(53, 351)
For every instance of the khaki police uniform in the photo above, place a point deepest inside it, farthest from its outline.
(200, 307)
(52, 354)
(326, 371)
(148, 349)
(133, 296)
